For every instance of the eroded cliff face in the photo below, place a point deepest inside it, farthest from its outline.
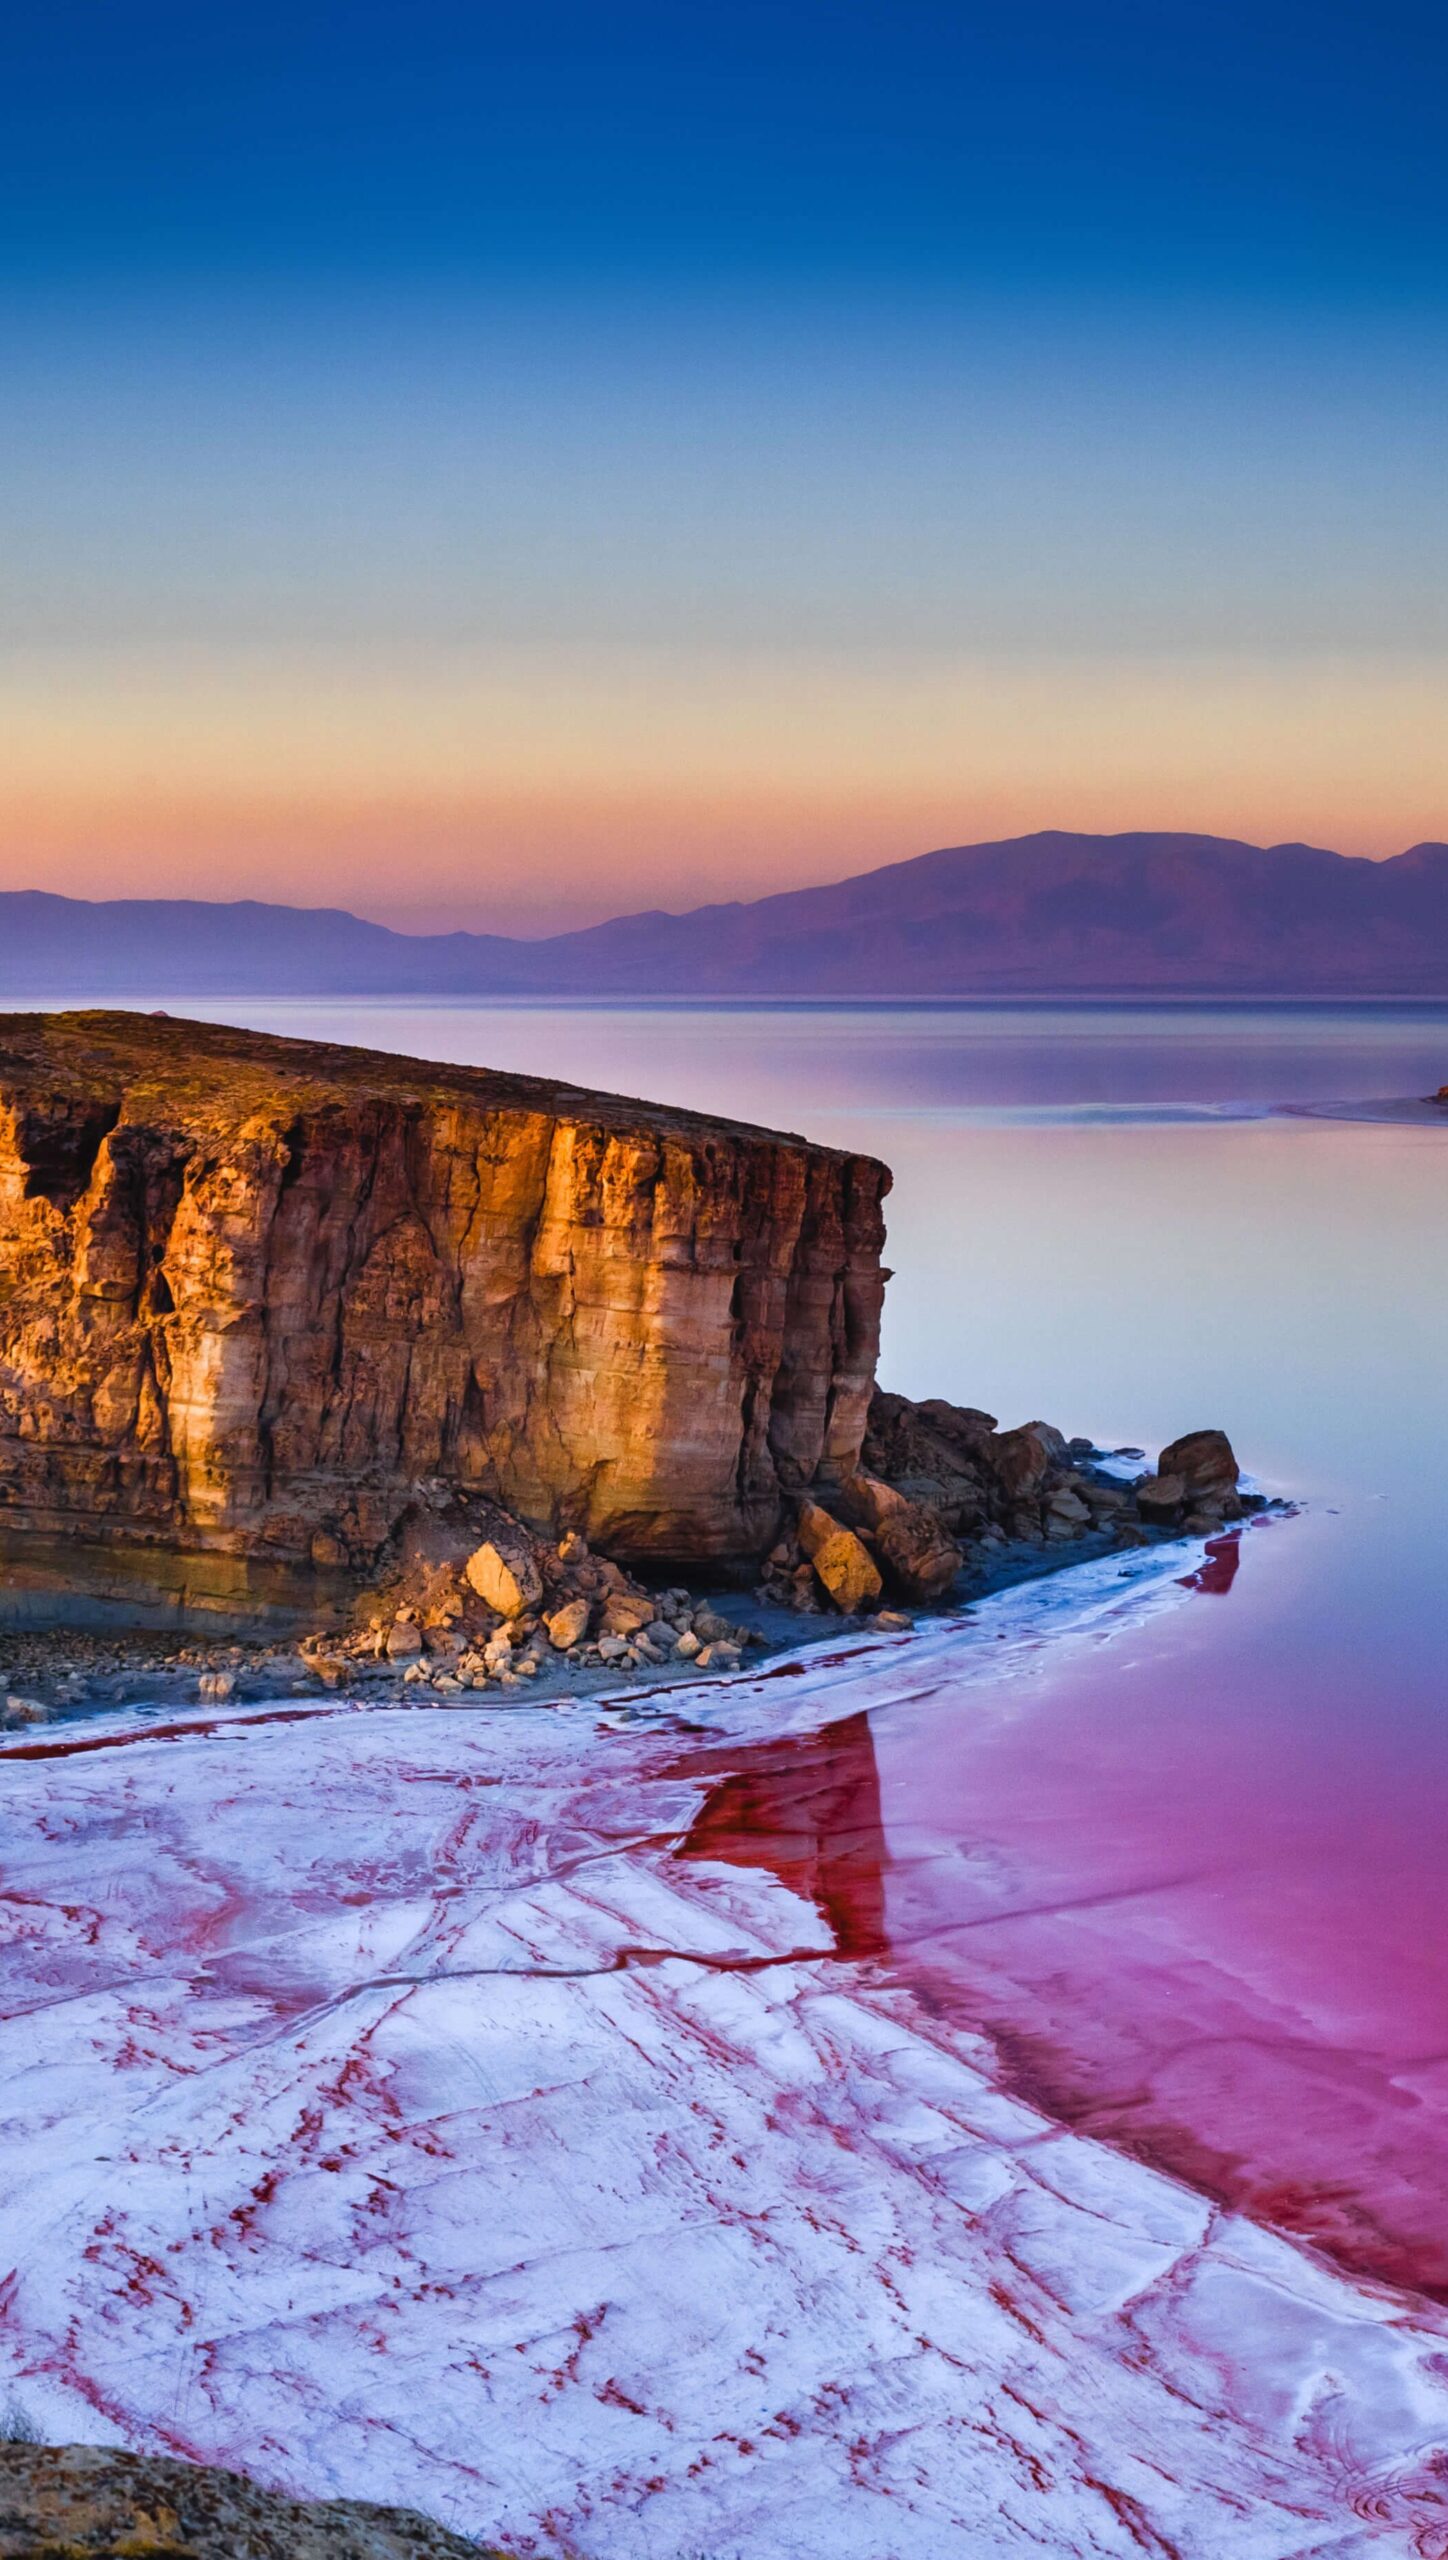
(259, 1298)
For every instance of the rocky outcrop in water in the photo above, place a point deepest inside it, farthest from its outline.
(264, 1301)
(942, 1493)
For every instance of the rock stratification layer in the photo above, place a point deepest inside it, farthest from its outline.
(261, 1299)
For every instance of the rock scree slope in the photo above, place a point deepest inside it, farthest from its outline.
(261, 1299)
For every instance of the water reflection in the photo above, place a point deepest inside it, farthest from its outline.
(808, 1810)
(1217, 1575)
(1191, 1927)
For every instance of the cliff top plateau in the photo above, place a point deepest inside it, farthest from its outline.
(210, 1074)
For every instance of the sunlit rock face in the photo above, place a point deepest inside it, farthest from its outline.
(260, 1297)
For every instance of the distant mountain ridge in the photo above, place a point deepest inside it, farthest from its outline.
(1053, 913)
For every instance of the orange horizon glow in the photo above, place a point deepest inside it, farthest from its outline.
(532, 794)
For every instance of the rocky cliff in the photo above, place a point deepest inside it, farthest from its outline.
(260, 1299)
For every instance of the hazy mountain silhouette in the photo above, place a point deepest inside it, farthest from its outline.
(1035, 914)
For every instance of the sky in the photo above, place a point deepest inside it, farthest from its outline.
(504, 467)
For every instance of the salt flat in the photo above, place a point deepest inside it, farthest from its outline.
(389, 2108)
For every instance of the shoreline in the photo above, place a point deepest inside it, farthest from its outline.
(61, 1672)
(1075, 1589)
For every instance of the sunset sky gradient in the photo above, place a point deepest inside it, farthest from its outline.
(498, 467)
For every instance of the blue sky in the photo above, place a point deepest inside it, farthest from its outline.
(491, 463)
(1263, 150)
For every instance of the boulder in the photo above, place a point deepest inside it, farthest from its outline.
(843, 1564)
(568, 1626)
(918, 1558)
(848, 1572)
(505, 1573)
(939, 1454)
(709, 1627)
(627, 1613)
(404, 1640)
(1160, 1498)
(1025, 1457)
(813, 1527)
(1206, 1465)
(903, 1437)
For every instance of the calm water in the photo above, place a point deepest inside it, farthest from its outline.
(1194, 1881)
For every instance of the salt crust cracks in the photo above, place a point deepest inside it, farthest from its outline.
(388, 2112)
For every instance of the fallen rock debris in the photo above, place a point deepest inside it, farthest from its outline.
(470, 1602)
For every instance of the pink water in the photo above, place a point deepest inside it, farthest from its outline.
(1196, 1925)
(1194, 1880)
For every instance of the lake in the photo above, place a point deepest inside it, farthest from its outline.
(652, 2132)
(1196, 1887)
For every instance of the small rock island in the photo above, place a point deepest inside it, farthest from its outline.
(260, 1299)
(444, 1372)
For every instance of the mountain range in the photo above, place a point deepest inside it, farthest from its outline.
(1053, 913)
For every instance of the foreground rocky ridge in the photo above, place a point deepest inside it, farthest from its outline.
(92, 2502)
(262, 1302)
